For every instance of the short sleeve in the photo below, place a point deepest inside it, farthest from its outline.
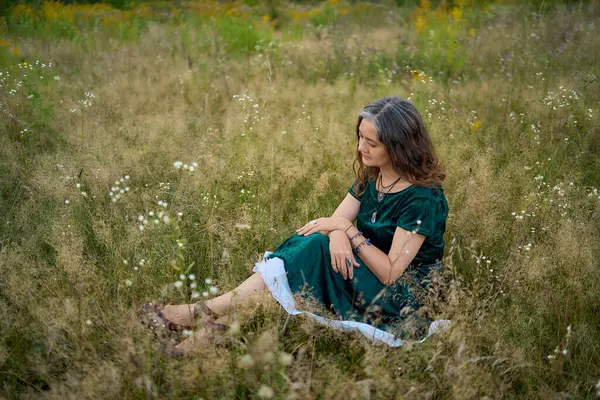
(353, 193)
(419, 214)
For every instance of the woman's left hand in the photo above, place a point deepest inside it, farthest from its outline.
(323, 225)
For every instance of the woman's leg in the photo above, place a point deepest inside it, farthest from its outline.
(183, 314)
(222, 304)
(249, 290)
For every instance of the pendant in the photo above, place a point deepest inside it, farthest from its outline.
(380, 196)
(373, 217)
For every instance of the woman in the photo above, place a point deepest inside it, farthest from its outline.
(372, 272)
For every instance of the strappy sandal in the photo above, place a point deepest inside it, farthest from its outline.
(152, 316)
(215, 337)
(201, 307)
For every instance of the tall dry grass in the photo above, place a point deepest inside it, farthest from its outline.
(514, 117)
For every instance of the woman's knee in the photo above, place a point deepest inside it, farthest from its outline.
(317, 238)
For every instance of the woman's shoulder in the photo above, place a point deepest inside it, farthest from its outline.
(434, 191)
(425, 196)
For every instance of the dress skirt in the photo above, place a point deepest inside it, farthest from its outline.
(300, 269)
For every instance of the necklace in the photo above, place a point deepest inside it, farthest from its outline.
(383, 186)
(381, 196)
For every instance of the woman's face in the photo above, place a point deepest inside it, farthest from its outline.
(374, 153)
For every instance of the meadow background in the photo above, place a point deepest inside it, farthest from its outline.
(142, 141)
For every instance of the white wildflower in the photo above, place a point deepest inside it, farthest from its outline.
(245, 361)
(265, 392)
(285, 358)
(234, 327)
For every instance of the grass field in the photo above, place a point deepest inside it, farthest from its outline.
(142, 143)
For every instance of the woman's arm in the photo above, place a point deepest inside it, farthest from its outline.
(341, 218)
(348, 208)
(389, 267)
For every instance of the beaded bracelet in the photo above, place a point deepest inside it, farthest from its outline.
(346, 230)
(366, 241)
(355, 236)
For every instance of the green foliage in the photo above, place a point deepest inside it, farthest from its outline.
(239, 36)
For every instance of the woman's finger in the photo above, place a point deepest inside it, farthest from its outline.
(349, 268)
(350, 262)
(337, 264)
(302, 230)
(308, 228)
(343, 267)
(334, 265)
(304, 227)
(311, 230)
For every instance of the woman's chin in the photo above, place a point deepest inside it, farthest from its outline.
(368, 162)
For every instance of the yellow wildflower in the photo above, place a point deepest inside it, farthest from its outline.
(456, 13)
(475, 125)
(420, 23)
(420, 76)
(49, 10)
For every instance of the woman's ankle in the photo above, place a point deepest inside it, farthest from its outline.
(219, 305)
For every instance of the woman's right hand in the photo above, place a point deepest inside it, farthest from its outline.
(341, 250)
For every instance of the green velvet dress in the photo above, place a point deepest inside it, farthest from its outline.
(307, 261)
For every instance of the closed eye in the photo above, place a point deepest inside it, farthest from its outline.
(369, 141)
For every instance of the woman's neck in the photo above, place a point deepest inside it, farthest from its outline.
(388, 175)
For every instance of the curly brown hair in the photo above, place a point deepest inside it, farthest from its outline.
(401, 129)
